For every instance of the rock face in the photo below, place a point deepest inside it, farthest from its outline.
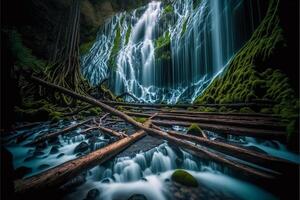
(92, 194)
(38, 21)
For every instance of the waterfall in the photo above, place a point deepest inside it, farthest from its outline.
(169, 52)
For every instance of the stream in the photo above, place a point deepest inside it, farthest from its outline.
(140, 173)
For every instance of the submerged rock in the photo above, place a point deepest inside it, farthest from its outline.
(92, 194)
(43, 166)
(60, 155)
(54, 150)
(137, 197)
(20, 172)
(82, 147)
(184, 178)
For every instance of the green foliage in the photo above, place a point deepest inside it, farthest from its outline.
(115, 49)
(23, 55)
(140, 119)
(121, 108)
(194, 129)
(163, 40)
(184, 178)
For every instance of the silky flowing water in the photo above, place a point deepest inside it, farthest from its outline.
(170, 53)
(148, 172)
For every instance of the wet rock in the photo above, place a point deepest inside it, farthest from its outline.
(22, 171)
(167, 180)
(38, 153)
(41, 146)
(7, 174)
(29, 158)
(79, 154)
(92, 194)
(75, 182)
(106, 180)
(43, 166)
(82, 147)
(54, 150)
(144, 179)
(137, 197)
(184, 178)
(60, 155)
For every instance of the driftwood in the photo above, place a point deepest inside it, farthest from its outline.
(267, 125)
(108, 131)
(55, 177)
(228, 129)
(233, 105)
(188, 146)
(264, 160)
(78, 110)
(55, 134)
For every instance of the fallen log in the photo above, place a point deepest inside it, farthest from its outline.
(78, 111)
(172, 110)
(225, 129)
(197, 150)
(267, 125)
(108, 131)
(263, 160)
(53, 178)
(55, 134)
(233, 105)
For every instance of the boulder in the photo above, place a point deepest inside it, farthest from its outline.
(184, 178)
(137, 197)
(82, 147)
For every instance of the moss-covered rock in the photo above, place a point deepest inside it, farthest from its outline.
(184, 178)
(194, 129)
(115, 48)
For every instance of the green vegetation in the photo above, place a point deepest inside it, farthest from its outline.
(168, 9)
(184, 26)
(249, 75)
(162, 47)
(194, 129)
(140, 119)
(184, 178)
(128, 35)
(115, 49)
(23, 55)
(85, 47)
(246, 110)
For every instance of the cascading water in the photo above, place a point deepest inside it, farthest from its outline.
(170, 52)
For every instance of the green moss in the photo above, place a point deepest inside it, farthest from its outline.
(194, 129)
(23, 55)
(184, 178)
(85, 47)
(245, 79)
(223, 109)
(128, 34)
(184, 26)
(55, 116)
(115, 49)
(210, 109)
(140, 119)
(95, 111)
(121, 108)
(107, 92)
(266, 110)
(168, 9)
(246, 110)
(163, 40)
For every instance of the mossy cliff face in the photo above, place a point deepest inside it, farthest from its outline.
(37, 21)
(253, 74)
